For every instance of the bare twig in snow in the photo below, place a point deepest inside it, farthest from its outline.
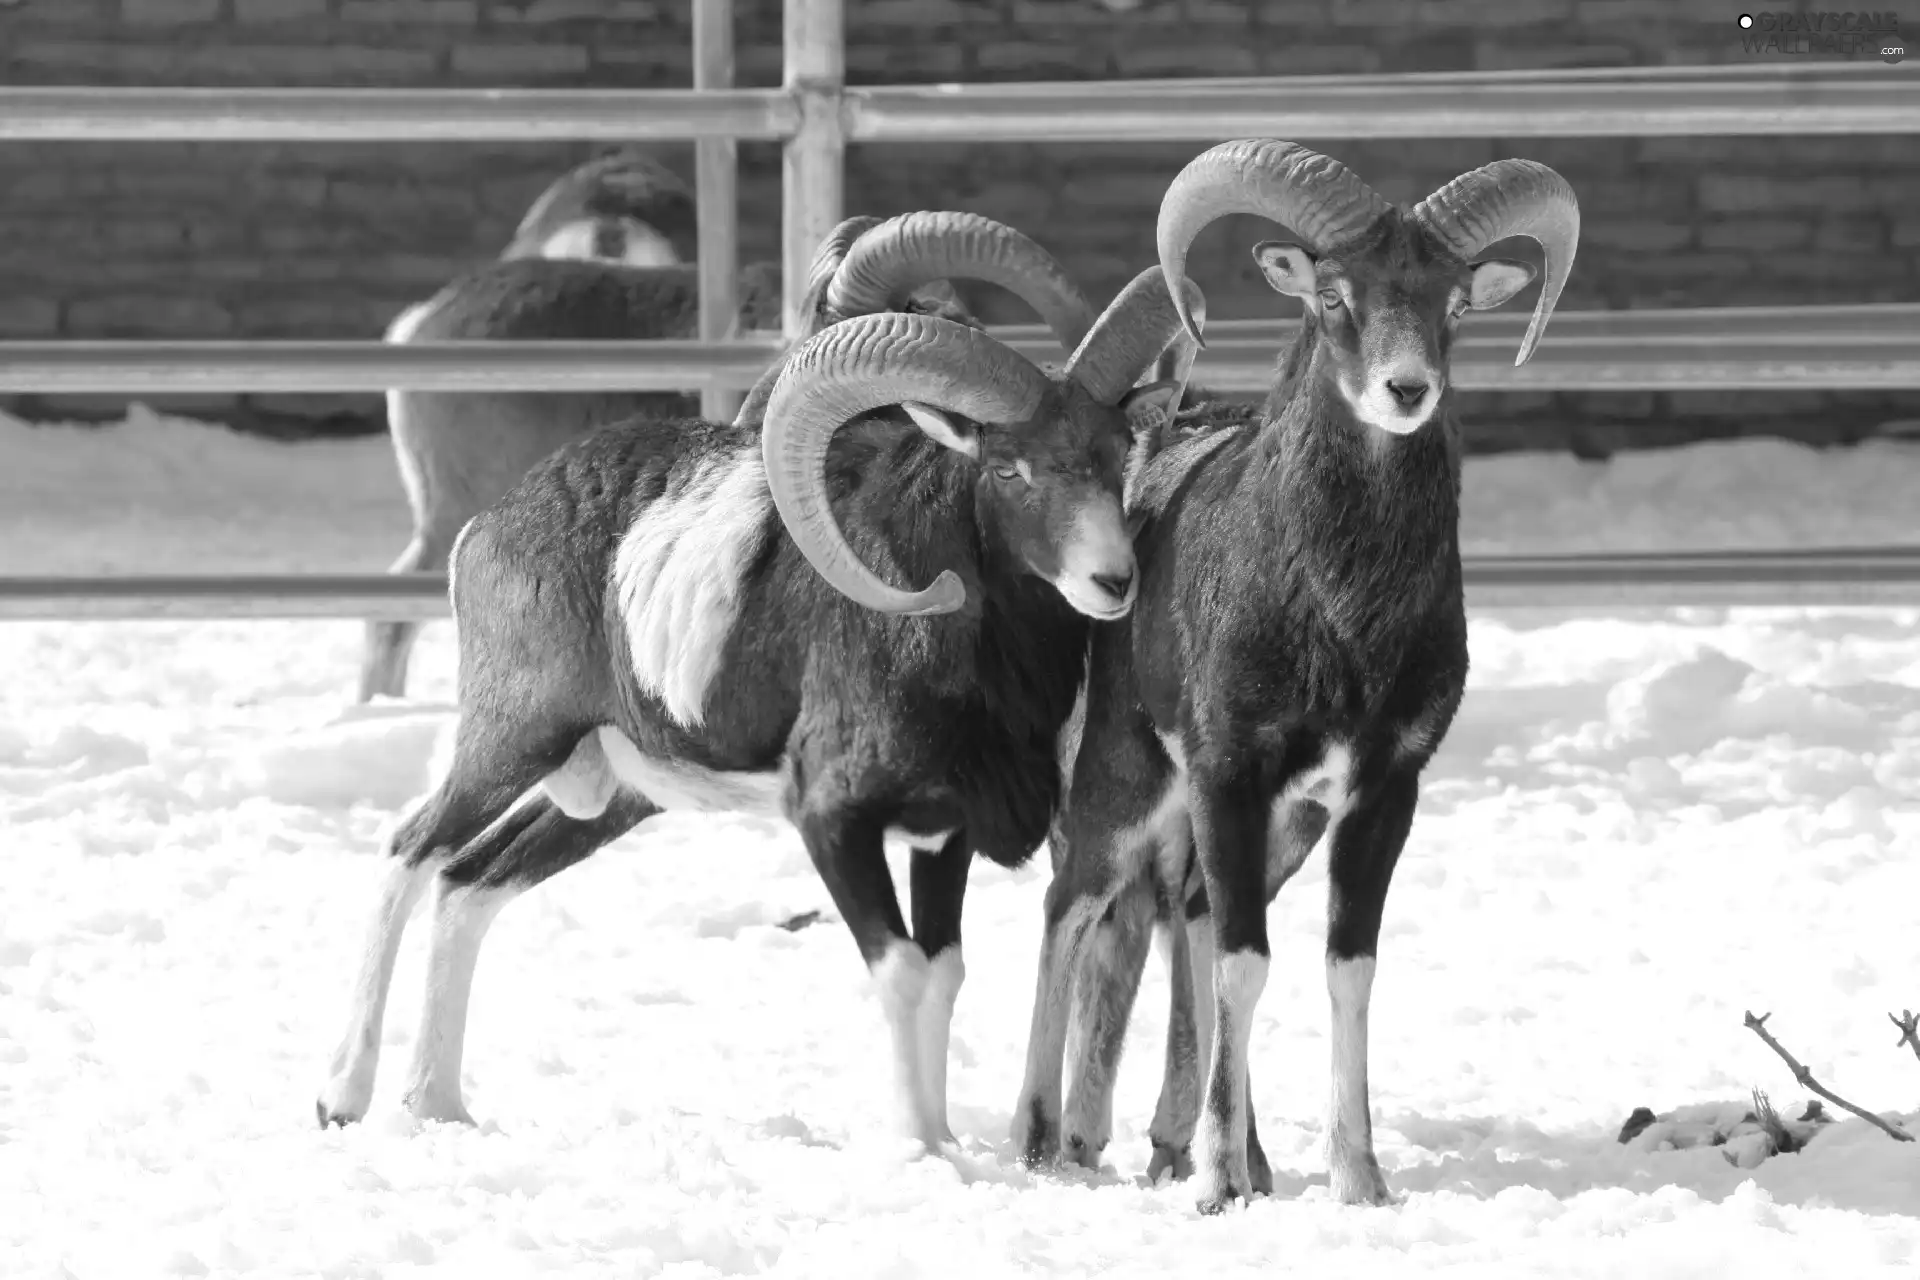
(1785, 1141)
(1909, 1024)
(1759, 1027)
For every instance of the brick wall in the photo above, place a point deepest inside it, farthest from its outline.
(246, 240)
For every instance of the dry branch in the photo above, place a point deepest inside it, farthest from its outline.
(1759, 1027)
(1909, 1024)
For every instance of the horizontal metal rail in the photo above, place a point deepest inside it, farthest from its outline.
(1839, 576)
(1701, 349)
(1817, 323)
(1836, 577)
(1779, 98)
(320, 366)
(1709, 348)
(85, 114)
(1823, 98)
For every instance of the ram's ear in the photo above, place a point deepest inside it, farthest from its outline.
(1288, 268)
(941, 428)
(1497, 279)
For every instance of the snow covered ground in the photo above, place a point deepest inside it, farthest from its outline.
(1639, 829)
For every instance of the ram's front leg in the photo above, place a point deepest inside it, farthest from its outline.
(938, 882)
(848, 849)
(1365, 848)
(1230, 816)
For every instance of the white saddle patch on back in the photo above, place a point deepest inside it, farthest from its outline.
(408, 322)
(399, 333)
(677, 576)
(640, 244)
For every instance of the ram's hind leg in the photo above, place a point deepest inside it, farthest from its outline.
(1104, 990)
(1123, 796)
(350, 1075)
(475, 795)
(1189, 1046)
(494, 764)
(1190, 958)
(537, 842)
(389, 644)
(1187, 939)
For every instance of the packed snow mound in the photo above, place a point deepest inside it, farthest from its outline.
(1637, 831)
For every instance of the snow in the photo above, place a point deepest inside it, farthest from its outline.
(1640, 829)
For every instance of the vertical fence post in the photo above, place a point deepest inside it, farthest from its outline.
(716, 184)
(811, 180)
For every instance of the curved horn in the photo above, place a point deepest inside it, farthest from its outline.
(1131, 334)
(893, 259)
(826, 261)
(858, 365)
(826, 264)
(1322, 200)
(1510, 198)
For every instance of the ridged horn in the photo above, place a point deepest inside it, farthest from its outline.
(856, 366)
(1322, 200)
(826, 260)
(1131, 334)
(826, 264)
(905, 252)
(1510, 198)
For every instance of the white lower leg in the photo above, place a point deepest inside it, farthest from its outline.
(461, 916)
(1036, 1117)
(900, 979)
(1102, 1005)
(1200, 948)
(1353, 1173)
(349, 1087)
(1221, 1161)
(1189, 958)
(934, 1022)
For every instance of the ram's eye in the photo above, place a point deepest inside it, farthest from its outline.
(1013, 471)
(1330, 299)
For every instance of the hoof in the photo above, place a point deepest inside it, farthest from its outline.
(1259, 1173)
(1217, 1191)
(1211, 1205)
(442, 1110)
(1361, 1186)
(1036, 1139)
(342, 1100)
(1178, 1160)
(935, 1143)
(1083, 1153)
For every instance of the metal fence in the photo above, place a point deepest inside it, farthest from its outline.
(815, 115)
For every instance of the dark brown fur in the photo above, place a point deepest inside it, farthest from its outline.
(1300, 588)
